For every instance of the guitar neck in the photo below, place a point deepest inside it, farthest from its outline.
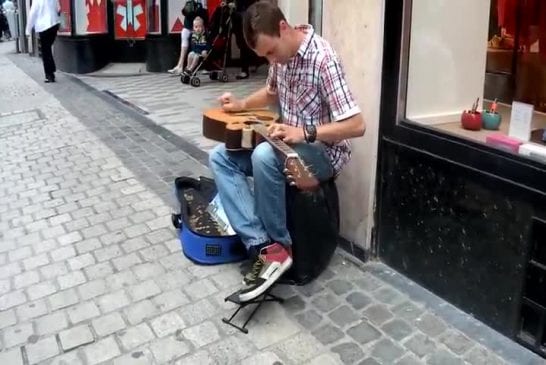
(281, 146)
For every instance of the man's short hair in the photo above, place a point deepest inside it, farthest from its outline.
(262, 17)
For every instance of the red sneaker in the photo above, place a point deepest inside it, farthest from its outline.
(275, 260)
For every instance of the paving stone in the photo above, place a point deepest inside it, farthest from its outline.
(99, 270)
(7, 318)
(51, 323)
(386, 351)
(369, 361)
(200, 289)
(309, 319)
(69, 358)
(11, 357)
(108, 324)
(135, 336)
(388, 296)
(82, 312)
(364, 333)
(420, 344)
(25, 279)
(141, 311)
(339, 286)
(407, 311)
(144, 290)
(267, 357)
(168, 324)
(19, 254)
(12, 299)
(112, 301)
(75, 337)
(358, 300)
(202, 334)
(298, 349)
(17, 334)
(377, 313)
(81, 261)
(444, 357)
(310, 289)
(397, 329)
(343, 316)
(325, 359)
(200, 357)
(456, 341)
(368, 282)
(101, 351)
(349, 352)
(294, 304)
(54, 270)
(42, 350)
(326, 302)
(31, 310)
(409, 359)
(121, 280)
(127, 261)
(328, 334)
(63, 299)
(479, 355)
(147, 270)
(92, 289)
(75, 278)
(430, 324)
(170, 300)
(63, 253)
(230, 350)
(136, 357)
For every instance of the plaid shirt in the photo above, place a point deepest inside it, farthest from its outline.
(311, 89)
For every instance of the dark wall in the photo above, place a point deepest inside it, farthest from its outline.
(461, 233)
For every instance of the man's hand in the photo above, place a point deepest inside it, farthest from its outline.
(286, 133)
(230, 103)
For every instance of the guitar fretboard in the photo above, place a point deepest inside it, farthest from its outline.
(276, 142)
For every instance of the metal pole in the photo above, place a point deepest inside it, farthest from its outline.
(315, 15)
(22, 12)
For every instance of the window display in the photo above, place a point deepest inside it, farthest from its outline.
(66, 19)
(130, 19)
(154, 16)
(90, 17)
(485, 80)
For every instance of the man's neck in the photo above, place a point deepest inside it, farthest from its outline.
(298, 37)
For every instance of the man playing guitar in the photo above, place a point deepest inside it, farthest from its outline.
(318, 114)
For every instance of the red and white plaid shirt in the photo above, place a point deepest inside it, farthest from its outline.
(311, 89)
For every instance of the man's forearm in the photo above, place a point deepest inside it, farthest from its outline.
(259, 99)
(337, 131)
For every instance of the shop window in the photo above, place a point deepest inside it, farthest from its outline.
(469, 55)
(66, 18)
(90, 17)
(154, 16)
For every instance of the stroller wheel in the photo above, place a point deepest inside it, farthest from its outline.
(185, 79)
(195, 82)
(224, 77)
(213, 75)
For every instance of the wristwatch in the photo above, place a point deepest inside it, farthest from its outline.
(310, 133)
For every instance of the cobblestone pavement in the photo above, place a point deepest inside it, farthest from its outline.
(171, 104)
(91, 270)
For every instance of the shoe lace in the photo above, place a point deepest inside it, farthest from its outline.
(256, 268)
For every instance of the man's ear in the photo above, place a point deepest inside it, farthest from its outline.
(283, 25)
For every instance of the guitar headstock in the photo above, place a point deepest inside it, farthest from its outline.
(299, 175)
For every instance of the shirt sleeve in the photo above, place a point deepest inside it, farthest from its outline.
(271, 82)
(31, 20)
(335, 91)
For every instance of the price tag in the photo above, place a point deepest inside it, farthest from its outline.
(520, 121)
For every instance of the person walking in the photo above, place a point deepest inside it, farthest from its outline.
(44, 17)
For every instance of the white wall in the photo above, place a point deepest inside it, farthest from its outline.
(448, 49)
(355, 30)
(295, 11)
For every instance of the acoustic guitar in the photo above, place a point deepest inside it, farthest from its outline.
(243, 131)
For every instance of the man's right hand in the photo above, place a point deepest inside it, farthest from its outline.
(230, 103)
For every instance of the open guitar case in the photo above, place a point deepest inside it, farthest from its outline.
(313, 223)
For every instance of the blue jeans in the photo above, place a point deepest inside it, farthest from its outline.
(260, 217)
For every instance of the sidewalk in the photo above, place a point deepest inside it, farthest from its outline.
(91, 270)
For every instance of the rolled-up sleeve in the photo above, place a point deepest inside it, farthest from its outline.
(335, 91)
(271, 82)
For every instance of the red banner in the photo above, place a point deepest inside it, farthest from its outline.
(66, 22)
(130, 19)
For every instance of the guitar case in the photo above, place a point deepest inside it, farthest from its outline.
(313, 223)
(202, 242)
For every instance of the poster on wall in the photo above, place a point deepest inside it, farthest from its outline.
(65, 27)
(154, 16)
(90, 17)
(130, 19)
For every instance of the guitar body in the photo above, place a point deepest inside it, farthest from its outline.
(234, 129)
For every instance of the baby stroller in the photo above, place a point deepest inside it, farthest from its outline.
(219, 36)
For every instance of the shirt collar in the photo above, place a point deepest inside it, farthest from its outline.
(309, 31)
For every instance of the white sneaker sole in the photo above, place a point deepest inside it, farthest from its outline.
(245, 297)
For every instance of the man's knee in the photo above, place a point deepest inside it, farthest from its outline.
(217, 156)
(264, 156)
